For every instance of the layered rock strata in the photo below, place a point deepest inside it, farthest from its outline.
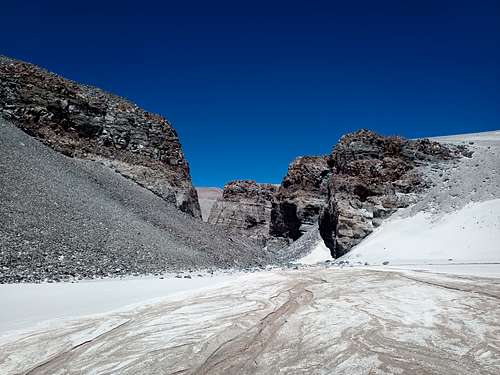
(372, 176)
(301, 196)
(85, 122)
(245, 206)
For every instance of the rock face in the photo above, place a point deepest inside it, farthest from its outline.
(245, 206)
(347, 194)
(372, 176)
(85, 122)
(207, 196)
(300, 198)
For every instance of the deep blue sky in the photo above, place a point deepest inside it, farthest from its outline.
(251, 85)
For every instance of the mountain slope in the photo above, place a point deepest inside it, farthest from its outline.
(456, 221)
(65, 217)
(88, 123)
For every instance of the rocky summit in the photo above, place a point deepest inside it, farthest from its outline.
(348, 193)
(88, 123)
(245, 206)
(371, 177)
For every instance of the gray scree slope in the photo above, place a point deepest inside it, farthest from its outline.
(65, 217)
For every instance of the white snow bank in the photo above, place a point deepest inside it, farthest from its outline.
(25, 305)
(490, 270)
(471, 234)
(484, 136)
(320, 253)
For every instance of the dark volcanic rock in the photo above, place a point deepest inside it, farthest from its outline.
(301, 196)
(372, 176)
(88, 123)
(245, 206)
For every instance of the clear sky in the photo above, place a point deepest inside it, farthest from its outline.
(251, 85)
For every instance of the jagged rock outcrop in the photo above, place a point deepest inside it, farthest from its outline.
(348, 193)
(85, 122)
(301, 196)
(372, 176)
(245, 206)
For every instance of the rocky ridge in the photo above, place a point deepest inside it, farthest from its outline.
(245, 206)
(88, 123)
(348, 193)
(372, 176)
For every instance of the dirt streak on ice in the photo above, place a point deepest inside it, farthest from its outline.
(350, 321)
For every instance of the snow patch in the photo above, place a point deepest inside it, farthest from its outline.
(320, 253)
(30, 304)
(468, 137)
(471, 234)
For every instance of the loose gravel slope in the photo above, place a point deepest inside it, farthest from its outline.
(63, 217)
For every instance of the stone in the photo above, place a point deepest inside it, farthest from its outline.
(85, 122)
(301, 195)
(245, 207)
(371, 177)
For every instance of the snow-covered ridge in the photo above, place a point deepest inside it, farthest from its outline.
(470, 137)
(457, 220)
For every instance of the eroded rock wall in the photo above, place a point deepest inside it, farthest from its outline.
(372, 176)
(300, 198)
(245, 206)
(85, 122)
(348, 193)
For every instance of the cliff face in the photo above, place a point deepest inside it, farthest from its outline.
(85, 122)
(348, 193)
(302, 194)
(245, 206)
(372, 176)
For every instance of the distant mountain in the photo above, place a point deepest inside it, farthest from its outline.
(207, 197)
